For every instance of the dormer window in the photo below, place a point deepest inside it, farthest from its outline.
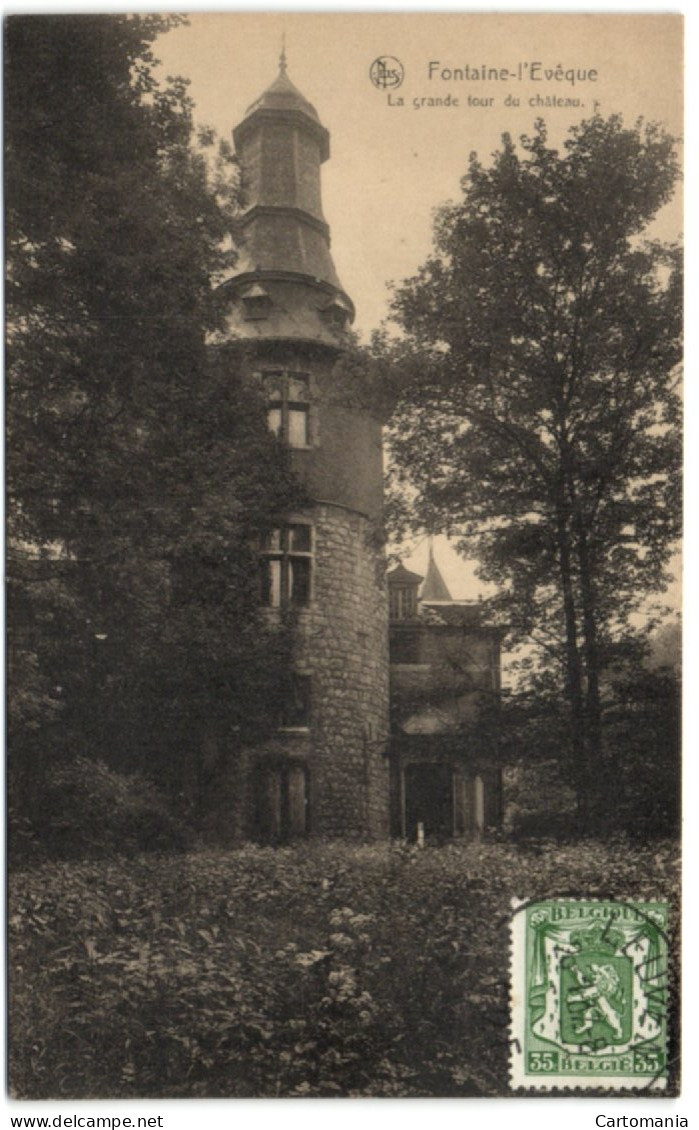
(402, 602)
(402, 593)
(288, 407)
(336, 314)
(256, 303)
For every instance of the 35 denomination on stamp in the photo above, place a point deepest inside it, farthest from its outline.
(589, 995)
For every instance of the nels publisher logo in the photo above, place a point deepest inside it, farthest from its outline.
(387, 72)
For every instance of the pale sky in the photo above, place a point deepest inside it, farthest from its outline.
(391, 165)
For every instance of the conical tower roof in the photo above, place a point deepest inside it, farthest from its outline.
(435, 587)
(282, 101)
(283, 95)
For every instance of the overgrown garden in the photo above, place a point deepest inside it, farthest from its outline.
(317, 970)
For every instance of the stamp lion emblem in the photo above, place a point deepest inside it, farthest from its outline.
(589, 995)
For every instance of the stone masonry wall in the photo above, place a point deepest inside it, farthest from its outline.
(343, 645)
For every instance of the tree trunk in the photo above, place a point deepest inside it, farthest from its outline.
(573, 669)
(593, 708)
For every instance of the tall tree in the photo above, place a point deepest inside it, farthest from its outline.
(138, 469)
(538, 412)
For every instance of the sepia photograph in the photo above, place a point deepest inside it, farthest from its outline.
(343, 551)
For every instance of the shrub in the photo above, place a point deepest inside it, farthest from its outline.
(89, 810)
(540, 802)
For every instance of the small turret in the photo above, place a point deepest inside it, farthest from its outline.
(285, 249)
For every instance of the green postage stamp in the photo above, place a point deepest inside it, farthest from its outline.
(588, 995)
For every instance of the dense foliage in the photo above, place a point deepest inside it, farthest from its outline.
(85, 810)
(637, 783)
(538, 415)
(326, 970)
(139, 469)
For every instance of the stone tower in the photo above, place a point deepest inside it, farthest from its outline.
(326, 772)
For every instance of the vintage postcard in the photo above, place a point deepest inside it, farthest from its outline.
(344, 534)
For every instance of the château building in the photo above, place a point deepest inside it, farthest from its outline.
(333, 768)
(444, 668)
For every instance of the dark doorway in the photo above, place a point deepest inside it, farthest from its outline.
(429, 801)
(281, 801)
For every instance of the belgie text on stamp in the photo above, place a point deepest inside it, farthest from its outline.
(589, 994)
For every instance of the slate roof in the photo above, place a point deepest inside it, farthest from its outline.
(435, 587)
(401, 575)
(283, 95)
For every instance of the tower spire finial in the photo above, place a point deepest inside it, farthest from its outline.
(282, 56)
